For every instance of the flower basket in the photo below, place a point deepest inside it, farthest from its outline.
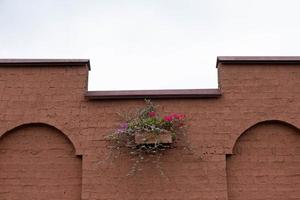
(145, 126)
(145, 133)
(153, 138)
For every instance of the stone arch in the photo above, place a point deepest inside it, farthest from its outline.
(38, 161)
(265, 163)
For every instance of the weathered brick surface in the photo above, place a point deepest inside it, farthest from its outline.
(38, 162)
(265, 163)
(251, 94)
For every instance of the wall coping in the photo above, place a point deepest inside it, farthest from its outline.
(153, 94)
(220, 59)
(258, 60)
(45, 62)
(160, 94)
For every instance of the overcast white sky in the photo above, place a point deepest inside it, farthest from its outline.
(149, 44)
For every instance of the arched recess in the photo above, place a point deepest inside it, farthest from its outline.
(265, 163)
(38, 162)
(70, 137)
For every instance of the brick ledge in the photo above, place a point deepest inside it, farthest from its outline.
(153, 94)
(45, 62)
(258, 60)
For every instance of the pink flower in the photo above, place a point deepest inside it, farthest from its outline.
(151, 114)
(173, 116)
(179, 116)
(168, 118)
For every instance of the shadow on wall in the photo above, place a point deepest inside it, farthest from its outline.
(265, 163)
(37, 161)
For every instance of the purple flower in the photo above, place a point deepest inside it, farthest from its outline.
(122, 128)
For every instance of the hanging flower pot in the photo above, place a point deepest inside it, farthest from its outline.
(145, 133)
(145, 126)
(153, 138)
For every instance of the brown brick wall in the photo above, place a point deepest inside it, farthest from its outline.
(251, 93)
(50, 95)
(38, 162)
(265, 163)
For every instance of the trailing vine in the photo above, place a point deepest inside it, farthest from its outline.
(145, 135)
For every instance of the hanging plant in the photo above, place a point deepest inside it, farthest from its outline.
(145, 132)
